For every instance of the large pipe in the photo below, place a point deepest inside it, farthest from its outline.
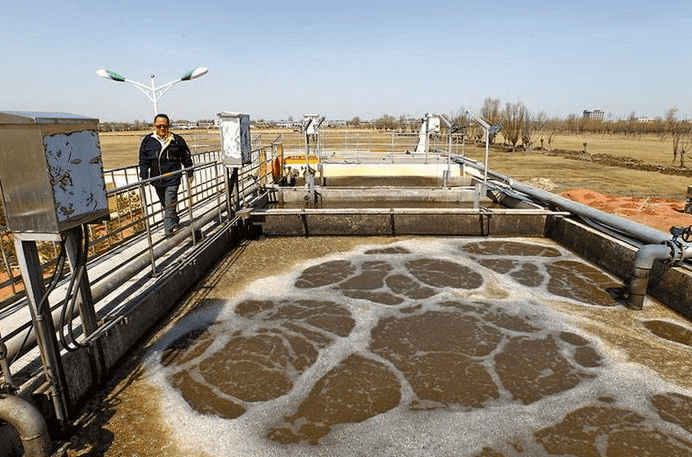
(638, 281)
(656, 244)
(29, 424)
(643, 233)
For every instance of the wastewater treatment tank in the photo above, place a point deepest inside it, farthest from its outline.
(408, 346)
(479, 330)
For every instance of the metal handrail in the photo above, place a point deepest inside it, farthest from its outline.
(135, 215)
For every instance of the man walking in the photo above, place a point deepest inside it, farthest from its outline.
(162, 153)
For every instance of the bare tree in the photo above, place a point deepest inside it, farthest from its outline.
(674, 129)
(681, 135)
(684, 143)
(491, 110)
(531, 128)
(512, 121)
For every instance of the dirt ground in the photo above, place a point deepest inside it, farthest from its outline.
(655, 212)
(647, 191)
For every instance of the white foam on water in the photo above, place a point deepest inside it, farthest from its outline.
(401, 431)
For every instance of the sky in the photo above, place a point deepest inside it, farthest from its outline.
(282, 59)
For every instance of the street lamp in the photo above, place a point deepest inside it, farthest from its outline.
(490, 131)
(154, 93)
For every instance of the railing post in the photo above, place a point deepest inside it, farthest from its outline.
(215, 190)
(147, 226)
(189, 207)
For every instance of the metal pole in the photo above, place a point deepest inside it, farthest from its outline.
(485, 165)
(39, 307)
(85, 303)
(145, 217)
(153, 96)
(235, 186)
(449, 150)
(189, 207)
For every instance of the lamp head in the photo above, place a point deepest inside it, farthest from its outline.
(194, 74)
(110, 75)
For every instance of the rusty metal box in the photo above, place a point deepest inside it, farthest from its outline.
(235, 138)
(51, 173)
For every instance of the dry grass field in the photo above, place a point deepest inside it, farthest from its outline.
(565, 172)
(629, 176)
(121, 149)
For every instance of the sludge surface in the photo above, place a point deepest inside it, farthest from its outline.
(423, 347)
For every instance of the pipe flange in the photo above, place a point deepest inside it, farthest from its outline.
(677, 252)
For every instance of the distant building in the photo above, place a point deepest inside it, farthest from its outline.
(594, 114)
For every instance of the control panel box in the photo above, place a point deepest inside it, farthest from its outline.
(51, 173)
(235, 139)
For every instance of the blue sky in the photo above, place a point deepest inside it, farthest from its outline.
(275, 59)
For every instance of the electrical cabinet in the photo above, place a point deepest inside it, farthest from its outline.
(51, 173)
(235, 139)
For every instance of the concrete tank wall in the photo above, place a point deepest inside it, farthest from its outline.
(670, 286)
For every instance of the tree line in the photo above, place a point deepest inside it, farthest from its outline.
(534, 130)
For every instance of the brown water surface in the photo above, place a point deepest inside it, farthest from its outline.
(444, 347)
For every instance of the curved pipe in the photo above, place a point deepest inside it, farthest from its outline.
(643, 262)
(28, 422)
(646, 255)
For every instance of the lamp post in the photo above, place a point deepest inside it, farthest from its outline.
(490, 130)
(154, 93)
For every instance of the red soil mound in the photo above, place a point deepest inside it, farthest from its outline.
(654, 212)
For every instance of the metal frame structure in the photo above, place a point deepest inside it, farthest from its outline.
(489, 130)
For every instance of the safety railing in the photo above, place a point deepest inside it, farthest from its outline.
(129, 199)
(136, 217)
(369, 141)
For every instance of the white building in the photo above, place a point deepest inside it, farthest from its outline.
(594, 114)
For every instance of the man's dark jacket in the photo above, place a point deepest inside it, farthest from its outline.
(153, 161)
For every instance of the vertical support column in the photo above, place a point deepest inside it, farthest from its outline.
(235, 182)
(77, 254)
(39, 306)
(77, 258)
(232, 191)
